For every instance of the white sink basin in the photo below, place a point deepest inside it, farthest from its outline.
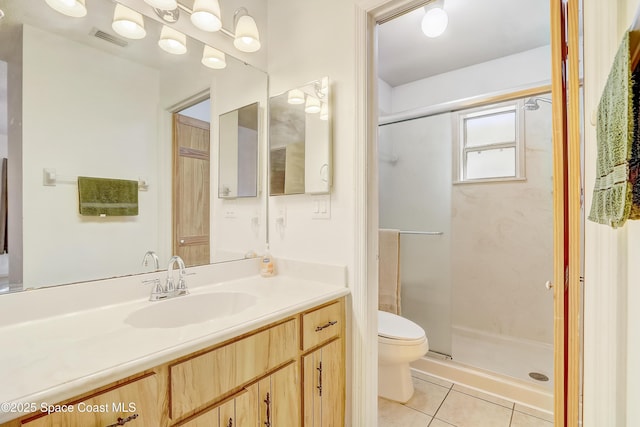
(190, 309)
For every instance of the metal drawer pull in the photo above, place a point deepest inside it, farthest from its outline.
(123, 421)
(328, 324)
(230, 422)
(319, 387)
(267, 401)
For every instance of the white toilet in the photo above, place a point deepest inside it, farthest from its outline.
(400, 341)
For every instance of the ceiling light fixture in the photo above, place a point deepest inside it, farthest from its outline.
(172, 41)
(206, 15)
(163, 4)
(296, 96)
(435, 20)
(213, 58)
(312, 106)
(247, 38)
(73, 8)
(128, 23)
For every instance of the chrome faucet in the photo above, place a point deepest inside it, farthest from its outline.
(152, 255)
(181, 288)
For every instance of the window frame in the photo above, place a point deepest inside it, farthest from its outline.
(460, 148)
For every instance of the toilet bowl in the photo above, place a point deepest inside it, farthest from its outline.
(400, 341)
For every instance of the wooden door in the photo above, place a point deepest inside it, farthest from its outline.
(565, 46)
(285, 389)
(191, 189)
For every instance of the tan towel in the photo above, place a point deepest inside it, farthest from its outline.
(389, 270)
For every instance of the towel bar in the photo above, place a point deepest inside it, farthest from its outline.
(427, 233)
(51, 178)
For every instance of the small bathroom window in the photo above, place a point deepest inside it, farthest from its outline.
(489, 143)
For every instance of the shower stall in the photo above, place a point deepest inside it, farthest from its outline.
(475, 253)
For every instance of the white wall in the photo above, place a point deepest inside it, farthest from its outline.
(612, 271)
(529, 67)
(108, 129)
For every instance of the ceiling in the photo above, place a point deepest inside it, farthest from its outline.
(478, 31)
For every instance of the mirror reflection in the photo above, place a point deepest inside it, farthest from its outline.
(238, 159)
(83, 101)
(300, 140)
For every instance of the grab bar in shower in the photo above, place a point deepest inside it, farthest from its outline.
(428, 233)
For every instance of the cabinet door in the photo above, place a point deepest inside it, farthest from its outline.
(247, 407)
(323, 392)
(280, 398)
(134, 403)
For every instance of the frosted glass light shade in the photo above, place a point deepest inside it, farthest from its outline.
(172, 41)
(213, 58)
(312, 106)
(434, 22)
(128, 23)
(324, 111)
(247, 38)
(73, 8)
(206, 15)
(296, 96)
(163, 4)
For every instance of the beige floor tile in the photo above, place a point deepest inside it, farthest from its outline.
(524, 420)
(534, 412)
(392, 414)
(480, 395)
(427, 396)
(439, 423)
(427, 377)
(463, 410)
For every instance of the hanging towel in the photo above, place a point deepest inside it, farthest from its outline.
(107, 197)
(617, 159)
(389, 270)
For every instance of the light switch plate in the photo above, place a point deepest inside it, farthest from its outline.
(321, 206)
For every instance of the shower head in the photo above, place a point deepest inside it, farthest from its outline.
(531, 104)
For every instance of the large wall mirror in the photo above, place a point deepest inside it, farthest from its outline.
(300, 140)
(83, 101)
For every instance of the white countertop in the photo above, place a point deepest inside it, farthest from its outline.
(57, 357)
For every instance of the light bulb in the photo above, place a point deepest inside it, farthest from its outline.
(128, 23)
(296, 96)
(172, 41)
(73, 8)
(312, 106)
(434, 22)
(213, 58)
(206, 15)
(247, 38)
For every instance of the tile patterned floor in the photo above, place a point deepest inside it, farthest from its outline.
(438, 403)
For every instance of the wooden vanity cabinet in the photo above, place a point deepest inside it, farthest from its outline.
(287, 374)
(323, 366)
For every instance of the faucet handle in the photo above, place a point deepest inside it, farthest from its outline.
(157, 292)
(169, 288)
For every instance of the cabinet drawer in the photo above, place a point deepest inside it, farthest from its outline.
(322, 324)
(137, 400)
(203, 379)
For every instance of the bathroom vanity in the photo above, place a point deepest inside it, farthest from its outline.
(278, 360)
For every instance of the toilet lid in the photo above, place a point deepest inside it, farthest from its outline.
(393, 326)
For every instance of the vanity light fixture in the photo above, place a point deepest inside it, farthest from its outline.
(435, 20)
(324, 111)
(247, 38)
(206, 15)
(163, 4)
(213, 58)
(128, 23)
(295, 96)
(73, 8)
(172, 41)
(313, 105)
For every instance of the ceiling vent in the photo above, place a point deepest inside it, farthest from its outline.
(108, 37)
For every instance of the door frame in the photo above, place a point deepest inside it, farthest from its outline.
(567, 248)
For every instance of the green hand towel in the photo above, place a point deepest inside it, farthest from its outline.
(612, 197)
(107, 197)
